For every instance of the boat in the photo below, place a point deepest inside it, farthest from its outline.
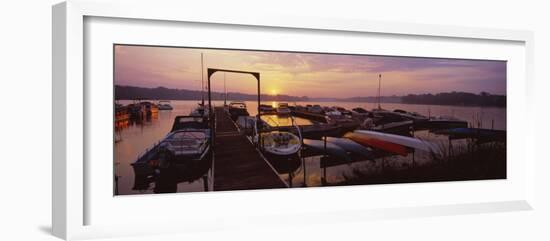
(187, 144)
(360, 113)
(164, 105)
(315, 109)
(343, 111)
(381, 116)
(378, 144)
(280, 143)
(406, 141)
(444, 122)
(237, 109)
(316, 115)
(484, 135)
(201, 110)
(149, 108)
(394, 127)
(282, 109)
(136, 110)
(414, 116)
(323, 147)
(351, 146)
(267, 109)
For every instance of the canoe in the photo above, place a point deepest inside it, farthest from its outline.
(369, 141)
(351, 146)
(410, 142)
(330, 148)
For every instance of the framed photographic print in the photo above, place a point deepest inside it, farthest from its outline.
(181, 115)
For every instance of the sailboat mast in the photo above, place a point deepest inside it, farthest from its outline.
(379, 84)
(225, 91)
(202, 80)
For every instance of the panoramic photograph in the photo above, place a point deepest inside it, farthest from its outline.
(202, 119)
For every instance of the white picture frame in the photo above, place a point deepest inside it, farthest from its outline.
(71, 191)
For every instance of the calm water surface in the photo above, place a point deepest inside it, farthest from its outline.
(135, 138)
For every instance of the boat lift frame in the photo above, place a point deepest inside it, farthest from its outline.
(210, 72)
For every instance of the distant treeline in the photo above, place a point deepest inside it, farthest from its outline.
(457, 98)
(162, 93)
(374, 99)
(452, 98)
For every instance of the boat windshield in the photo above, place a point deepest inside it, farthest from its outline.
(189, 122)
(181, 135)
(283, 105)
(238, 105)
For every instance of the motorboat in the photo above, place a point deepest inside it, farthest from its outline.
(282, 109)
(280, 143)
(237, 109)
(316, 109)
(149, 108)
(187, 144)
(342, 110)
(200, 110)
(414, 116)
(164, 105)
(267, 109)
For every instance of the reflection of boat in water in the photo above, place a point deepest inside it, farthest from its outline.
(282, 109)
(121, 116)
(164, 105)
(237, 109)
(185, 148)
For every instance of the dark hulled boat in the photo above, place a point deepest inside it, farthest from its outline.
(185, 148)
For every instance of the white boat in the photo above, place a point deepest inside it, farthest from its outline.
(281, 143)
(333, 113)
(410, 142)
(282, 109)
(164, 105)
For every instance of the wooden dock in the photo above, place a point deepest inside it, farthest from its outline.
(237, 163)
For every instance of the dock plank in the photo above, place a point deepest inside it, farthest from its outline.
(237, 163)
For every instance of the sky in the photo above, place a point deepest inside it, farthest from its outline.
(305, 74)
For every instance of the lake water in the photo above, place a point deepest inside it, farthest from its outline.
(133, 139)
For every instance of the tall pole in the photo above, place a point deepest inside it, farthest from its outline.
(225, 91)
(379, 84)
(202, 80)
